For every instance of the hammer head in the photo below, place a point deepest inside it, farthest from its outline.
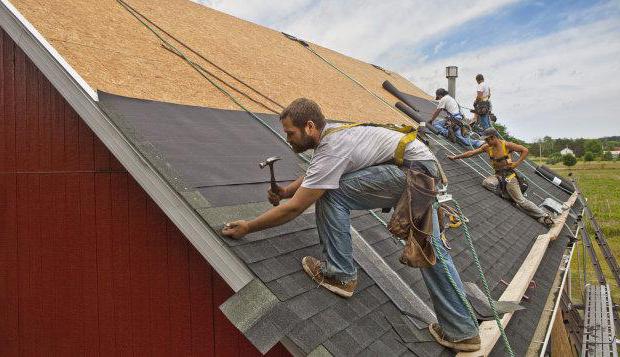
(268, 161)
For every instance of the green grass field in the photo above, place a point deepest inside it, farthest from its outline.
(600, 183)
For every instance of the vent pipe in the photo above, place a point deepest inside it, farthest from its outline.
(451, 73)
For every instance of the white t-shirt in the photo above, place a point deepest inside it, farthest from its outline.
(448, 103)
(353, 149)
(484, 88)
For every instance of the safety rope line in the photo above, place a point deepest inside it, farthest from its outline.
(487, 291)
(204, 58)
(357, 82)
(139, 17)
(226, 83)
(471, 247)
(458, 291)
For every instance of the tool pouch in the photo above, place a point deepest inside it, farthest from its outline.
(412, 220)
(482, 107)
(523, 185)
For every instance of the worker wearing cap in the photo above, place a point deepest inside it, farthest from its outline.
(505, 181)
(350, 170)
(452, 108)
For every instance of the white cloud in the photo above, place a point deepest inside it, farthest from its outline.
(361, 29)
(562, 84)
(438, 46)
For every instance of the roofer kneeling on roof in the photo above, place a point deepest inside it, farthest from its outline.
(453, 122)
(505, 182)
(350, 170)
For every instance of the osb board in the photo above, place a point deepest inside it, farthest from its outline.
(113, 52)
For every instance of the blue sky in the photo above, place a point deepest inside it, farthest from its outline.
(514, 23)
(550, 64)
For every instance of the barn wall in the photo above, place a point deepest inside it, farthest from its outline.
(88, 263)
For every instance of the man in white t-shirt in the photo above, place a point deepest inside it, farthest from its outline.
(350, 171)
(449, 105)
(482, 103)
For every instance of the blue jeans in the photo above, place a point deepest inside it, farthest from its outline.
(485, 121)
(442, 128)
(378, 187)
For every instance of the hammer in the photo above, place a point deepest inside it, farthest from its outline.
(270, 161)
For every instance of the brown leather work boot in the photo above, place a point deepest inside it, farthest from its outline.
(312, 266)
(467, 345)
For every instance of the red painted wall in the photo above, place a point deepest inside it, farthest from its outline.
(88, 263)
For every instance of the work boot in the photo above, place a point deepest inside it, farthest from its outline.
(312, 266)
(467, 345)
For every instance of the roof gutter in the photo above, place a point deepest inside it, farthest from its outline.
(83, 99)
(489, 332)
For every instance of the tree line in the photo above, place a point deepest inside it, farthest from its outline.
(548, 146)
(585, 149)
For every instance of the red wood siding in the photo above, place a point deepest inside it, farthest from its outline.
(89, 265)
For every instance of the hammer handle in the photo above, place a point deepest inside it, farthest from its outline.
(274, 185)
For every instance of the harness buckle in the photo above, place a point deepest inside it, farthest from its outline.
(443, 195)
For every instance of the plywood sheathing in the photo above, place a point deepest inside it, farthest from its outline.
(113, 52)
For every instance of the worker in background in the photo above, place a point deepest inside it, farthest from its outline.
(348, 171)
(505, 182)
(482, 103)
(454, 121)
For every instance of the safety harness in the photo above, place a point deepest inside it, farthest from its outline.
(500, 164)
(502, 171)
(399, 154)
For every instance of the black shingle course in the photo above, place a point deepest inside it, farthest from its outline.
(502, 235)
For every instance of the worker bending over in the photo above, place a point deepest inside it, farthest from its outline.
(505, 182)
(454, 120)
(349, 171)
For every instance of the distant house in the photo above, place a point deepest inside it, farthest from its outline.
(567, 151)
(615, 152)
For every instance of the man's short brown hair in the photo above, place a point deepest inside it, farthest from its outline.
(479, 77)
(302, 110)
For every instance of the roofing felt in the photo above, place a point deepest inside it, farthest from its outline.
(313, 318)
(115, 53)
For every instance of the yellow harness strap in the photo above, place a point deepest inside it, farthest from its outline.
(505, 156)
(410, 132)
(399, 154)
(338, 128)
(490, 150)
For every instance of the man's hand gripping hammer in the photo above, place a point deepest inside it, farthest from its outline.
(270, 161)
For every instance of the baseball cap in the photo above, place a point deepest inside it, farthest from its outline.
(488, 132)
(440, 93)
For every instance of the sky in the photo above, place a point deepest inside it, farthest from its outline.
(553, 66)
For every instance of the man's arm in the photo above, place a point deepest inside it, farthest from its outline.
(470, 153)
(284, 192)
(435, 114)
(522, 150)
(479, 95)
(302, 199)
